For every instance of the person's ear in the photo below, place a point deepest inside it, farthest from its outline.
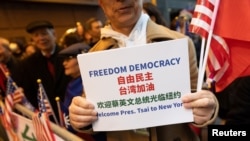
(53, 32)
(153, 18)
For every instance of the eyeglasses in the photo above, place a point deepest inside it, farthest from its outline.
(69, 58)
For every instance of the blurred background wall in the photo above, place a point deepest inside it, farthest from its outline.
(16, 14)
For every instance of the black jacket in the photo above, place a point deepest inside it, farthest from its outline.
(234, 102)
(35, 67)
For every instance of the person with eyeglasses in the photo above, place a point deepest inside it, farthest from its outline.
(75, 86)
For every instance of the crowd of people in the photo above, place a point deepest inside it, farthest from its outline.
(55, 63)
(40, 59)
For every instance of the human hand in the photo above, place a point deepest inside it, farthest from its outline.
(203, 103)
(81, 112)
(18, 96)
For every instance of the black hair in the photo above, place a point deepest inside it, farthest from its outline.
(152, 10)
(88, 23)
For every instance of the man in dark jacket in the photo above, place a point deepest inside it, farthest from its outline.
(44, 64)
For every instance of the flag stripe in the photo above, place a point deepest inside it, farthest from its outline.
(220, 49)
(39, 130)
(9, 101)
(205, 9)
(199, 27)
(218, 61)
(201, 21)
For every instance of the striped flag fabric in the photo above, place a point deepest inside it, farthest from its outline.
(40, 119)
(3, 121)
(233, 27)
(202, 17)
(218, 53)
(228, 57)
(9, 125)
(9, 101)
(2, 115)
(218, 59)
(9, 95)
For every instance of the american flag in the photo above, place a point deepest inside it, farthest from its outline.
(2, 116)
(40, 119)
(202, 17)
(8, 109)
(49, 109)
(202, 24)
(9, 98)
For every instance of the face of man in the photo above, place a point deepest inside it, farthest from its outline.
(4, 52)
(95, 31)
(44, 39)
(122, 13)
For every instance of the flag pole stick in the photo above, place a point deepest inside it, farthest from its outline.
(63, 133)
(204, 64)
(200, 79)
(59, 110)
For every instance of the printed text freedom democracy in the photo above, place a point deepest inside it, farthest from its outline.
(135, 67)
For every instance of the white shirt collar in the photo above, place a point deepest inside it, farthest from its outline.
(136, 37)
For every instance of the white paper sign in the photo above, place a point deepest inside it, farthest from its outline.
(138, 87)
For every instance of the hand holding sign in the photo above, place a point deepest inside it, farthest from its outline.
(82, 112)
(148, 85)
